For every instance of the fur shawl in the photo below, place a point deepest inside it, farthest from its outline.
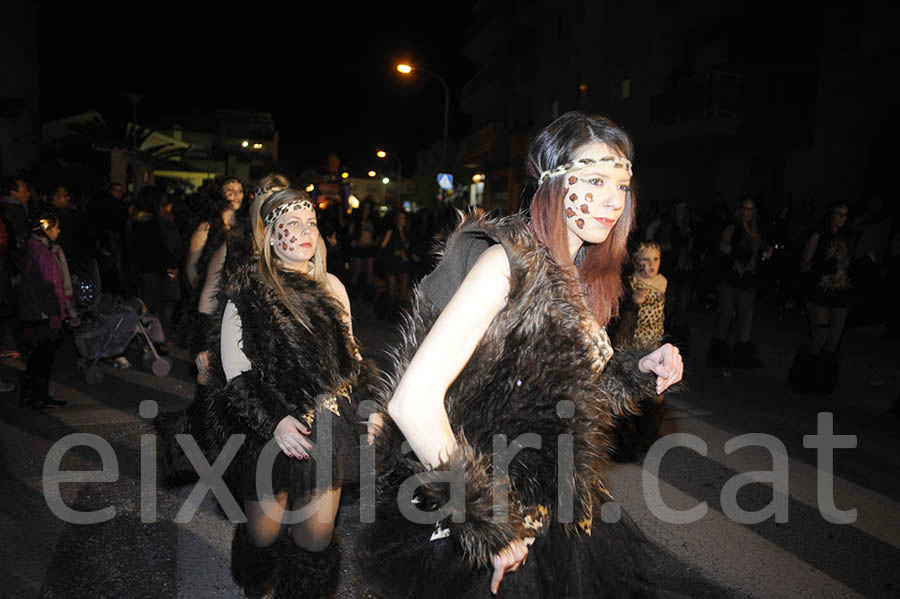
(291, 364)
(534, 371)
(292, 367)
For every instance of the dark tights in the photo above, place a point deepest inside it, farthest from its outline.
(42, 342)
(265, 520)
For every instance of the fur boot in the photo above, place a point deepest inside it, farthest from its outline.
(252, 567)
(306, 574)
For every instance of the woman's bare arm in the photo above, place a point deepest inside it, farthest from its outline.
(418, 402)
(340, 292)
(809, 251)
(208, 299)
(198, 240)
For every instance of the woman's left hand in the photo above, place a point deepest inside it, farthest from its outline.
(666, 363)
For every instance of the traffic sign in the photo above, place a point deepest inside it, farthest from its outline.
(445, 181)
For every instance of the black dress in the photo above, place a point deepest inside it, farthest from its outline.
(536, 371)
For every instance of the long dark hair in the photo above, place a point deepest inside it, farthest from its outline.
(598, 278)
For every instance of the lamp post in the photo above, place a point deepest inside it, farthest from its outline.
(406, 69)
(383, 154)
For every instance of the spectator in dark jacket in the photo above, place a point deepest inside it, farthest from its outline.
(14, 196)
(76, 235)
(155, 250)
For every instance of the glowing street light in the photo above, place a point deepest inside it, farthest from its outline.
(310, 188)
(344, 175)
(385, 180)
(383, 154)
(245, 144)
(406, 70)
(372, 173)
(257, 146)
(353, 201)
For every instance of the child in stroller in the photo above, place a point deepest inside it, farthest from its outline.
(108, 326)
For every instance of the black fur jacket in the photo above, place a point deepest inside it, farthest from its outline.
(536, 370)
(294, 369)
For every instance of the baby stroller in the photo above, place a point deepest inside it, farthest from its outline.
(108, 326)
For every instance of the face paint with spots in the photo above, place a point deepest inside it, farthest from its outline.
(595, 195)
(294, 238)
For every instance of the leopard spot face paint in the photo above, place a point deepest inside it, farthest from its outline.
(569, 212)
(565, 191)
(589, 197)
(580, 223)
(585, 209)
(284, 245)
(293, 240)
(573, 180)
(573, 198)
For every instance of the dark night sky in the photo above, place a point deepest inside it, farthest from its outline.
(326, 75)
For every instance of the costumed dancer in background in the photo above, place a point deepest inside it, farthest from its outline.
(742, 248)
(829, 288)
(245, 244)
(507, 337)
(209, 235)
(289, 365)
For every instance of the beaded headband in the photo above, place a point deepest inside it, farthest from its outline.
(617, 162)
(272, 216)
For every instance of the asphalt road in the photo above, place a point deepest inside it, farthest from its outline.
(806, 556)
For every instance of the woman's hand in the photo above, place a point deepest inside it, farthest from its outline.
(640, 295)
(202, 363)
(508, 560)
(666, 363)
(290, 434)
(373, 426)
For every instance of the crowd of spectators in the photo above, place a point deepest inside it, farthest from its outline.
(157, 245)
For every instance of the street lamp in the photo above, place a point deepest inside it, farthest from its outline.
(383, 154)
(406, 69)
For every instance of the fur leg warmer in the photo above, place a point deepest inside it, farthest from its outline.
(252, 567)
(306, 574)
(177, 470)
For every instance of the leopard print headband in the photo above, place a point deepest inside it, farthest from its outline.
(280, 209)
(617, 162)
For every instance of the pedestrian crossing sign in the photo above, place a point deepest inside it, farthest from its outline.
(445, 181)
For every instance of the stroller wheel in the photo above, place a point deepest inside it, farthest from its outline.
(93, 375)
(162, 366)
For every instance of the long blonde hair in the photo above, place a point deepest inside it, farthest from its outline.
(269, 265)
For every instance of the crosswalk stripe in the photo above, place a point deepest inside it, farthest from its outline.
(877, 515)
(723, 550)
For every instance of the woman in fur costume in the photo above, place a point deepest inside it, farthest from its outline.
(506, 388)
(288, 366)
